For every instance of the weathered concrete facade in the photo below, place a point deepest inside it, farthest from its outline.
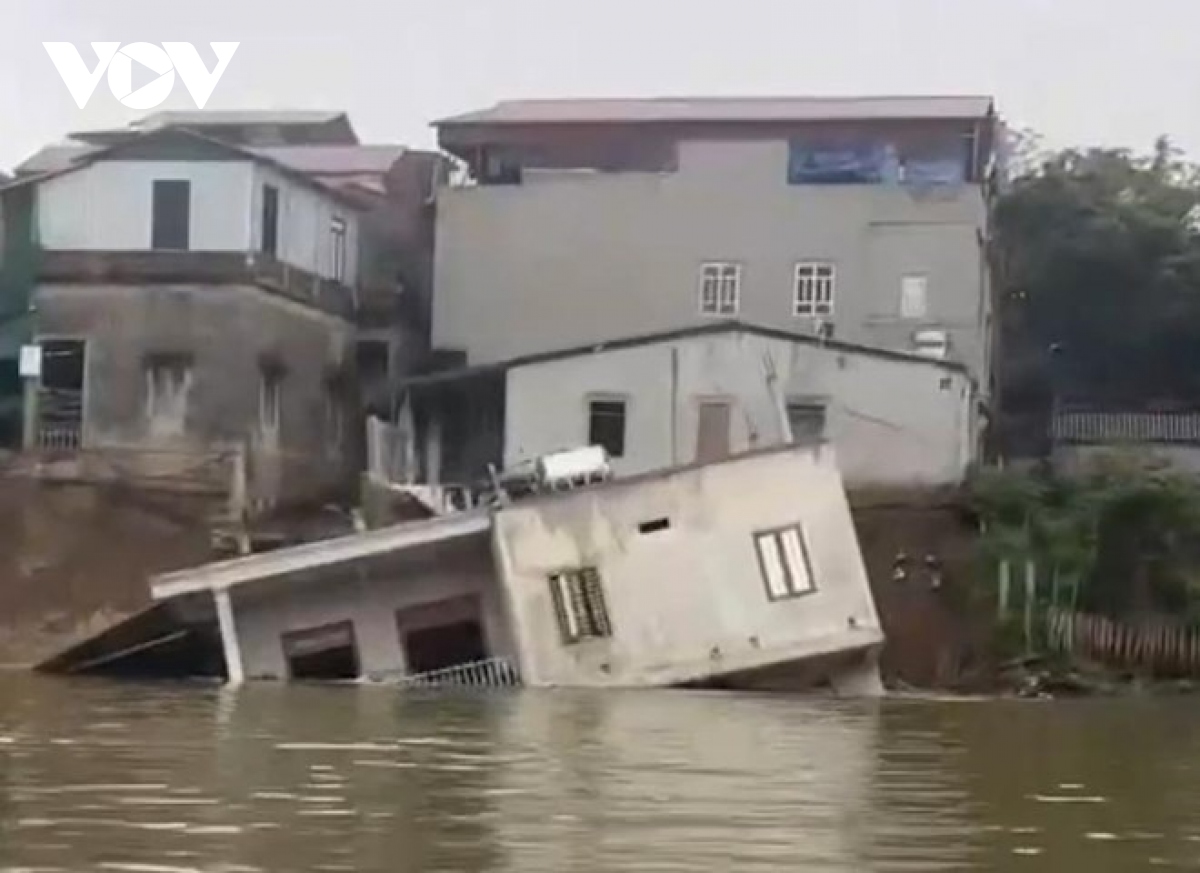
(689, 599)
(893, 420)
(224, 335)
(203, 295)
(420, 590)
(602, 231)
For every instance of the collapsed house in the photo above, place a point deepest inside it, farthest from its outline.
(744, 572)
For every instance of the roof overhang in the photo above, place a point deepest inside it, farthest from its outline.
(238, 572)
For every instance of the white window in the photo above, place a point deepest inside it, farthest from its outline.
(580, 605)
(914, 296)
(813, 293)
(783, 559)
(270, 391)
(168, 383)
(337, 230)
(720, 288)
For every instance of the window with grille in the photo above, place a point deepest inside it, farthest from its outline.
(168, 383)
(337, 232)
(814, 288)
(720, 288)
(579, 605)
(270, 393)
(783, 559)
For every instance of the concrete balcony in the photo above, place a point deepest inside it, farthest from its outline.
(197, 268)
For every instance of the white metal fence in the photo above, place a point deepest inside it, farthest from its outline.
(492, 673)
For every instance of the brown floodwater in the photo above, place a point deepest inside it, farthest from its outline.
(174, 778)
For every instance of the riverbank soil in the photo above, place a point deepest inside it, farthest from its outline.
(76, 558)
(920, 553)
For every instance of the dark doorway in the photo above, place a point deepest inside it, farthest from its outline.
(60, 398)
(444, 646)
(171, 214)
(326, 653)
(270, 220)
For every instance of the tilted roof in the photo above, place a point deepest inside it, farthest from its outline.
(319, 159)
(236, 117)
(86, 159)
(475, 371)
(726, 109)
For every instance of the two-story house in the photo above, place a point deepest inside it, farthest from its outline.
(584, 221)
(188, 293)
(392, 185)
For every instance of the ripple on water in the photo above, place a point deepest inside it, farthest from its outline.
(307, 779)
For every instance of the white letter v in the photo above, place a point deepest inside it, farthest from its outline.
(81, 82)
(199, 81)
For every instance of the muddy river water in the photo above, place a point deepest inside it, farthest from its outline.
(100, 776)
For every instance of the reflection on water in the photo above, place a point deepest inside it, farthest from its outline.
(177, 778)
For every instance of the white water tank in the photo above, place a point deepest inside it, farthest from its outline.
(573, 468)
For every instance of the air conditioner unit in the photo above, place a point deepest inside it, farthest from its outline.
(933, 344)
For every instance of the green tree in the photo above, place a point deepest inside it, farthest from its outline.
(1098, 253)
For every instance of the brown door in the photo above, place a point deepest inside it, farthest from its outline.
(712, 431)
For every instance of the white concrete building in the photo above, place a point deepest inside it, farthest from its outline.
(744, 571)
(747, 570)
(700, 394)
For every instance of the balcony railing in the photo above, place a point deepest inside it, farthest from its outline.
(202, 268)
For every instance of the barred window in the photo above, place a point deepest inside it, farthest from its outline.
(814, 287)
(579, 605)
(720, 288)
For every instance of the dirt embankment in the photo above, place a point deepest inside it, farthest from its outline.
(935, 639)
(75, 558)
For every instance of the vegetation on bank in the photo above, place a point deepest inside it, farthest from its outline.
(1120, 541)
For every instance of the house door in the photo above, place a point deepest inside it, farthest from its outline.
(60, 398)
(712, 431)
(327, 653)
(443, 634)
(444, 646)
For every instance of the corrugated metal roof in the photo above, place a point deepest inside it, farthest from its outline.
(236, 117)
(726, 109)
(332, 160)
(55, 157)
(1126, 427)
(335, 159)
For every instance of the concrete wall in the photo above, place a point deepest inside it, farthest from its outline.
(226, 332)
(370, 599)
(572, 258)
(108, 207)
(892, 421)
(691, 600)
(1074, 460)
